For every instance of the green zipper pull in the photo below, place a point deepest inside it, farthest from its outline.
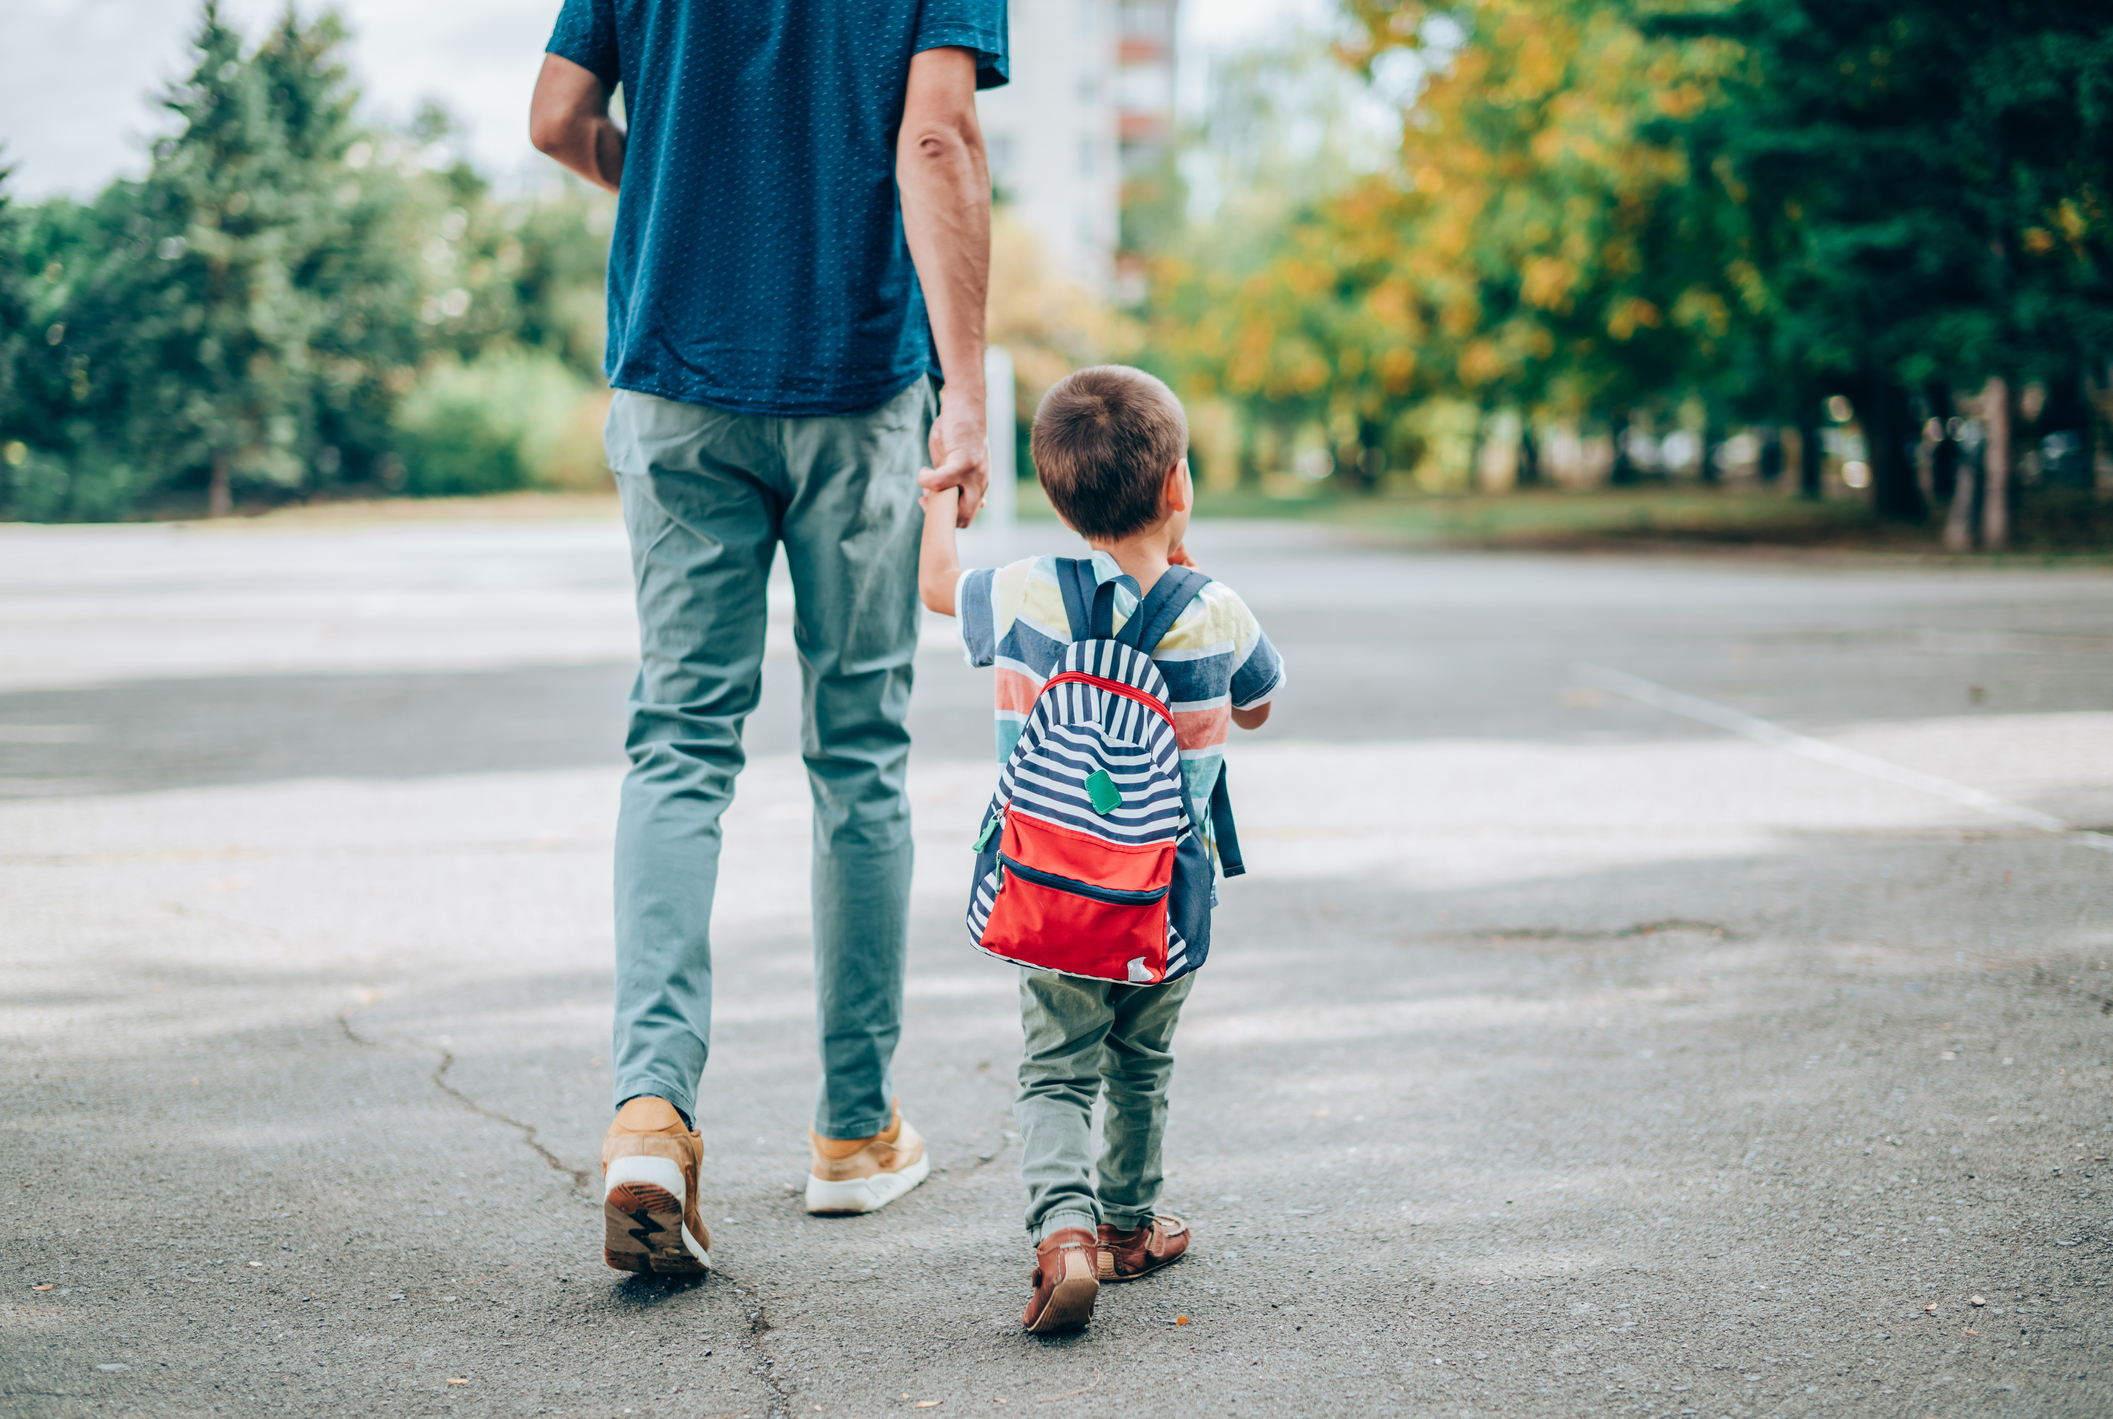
(983, 838)
(1101, 789)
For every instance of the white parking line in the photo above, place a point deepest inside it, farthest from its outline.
(1650, 692)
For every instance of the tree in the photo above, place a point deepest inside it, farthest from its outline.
(251, 316)
(14, 307)
(254, 227)
(1928, 189)
(1542, 242)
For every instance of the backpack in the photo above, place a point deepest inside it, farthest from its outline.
(1089, 862)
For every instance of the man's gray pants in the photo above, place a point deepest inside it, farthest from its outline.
(708, 496)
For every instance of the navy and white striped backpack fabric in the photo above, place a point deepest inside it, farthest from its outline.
(1090, 861)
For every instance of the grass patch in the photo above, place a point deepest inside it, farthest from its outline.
(2050, 523)
(1551, 518)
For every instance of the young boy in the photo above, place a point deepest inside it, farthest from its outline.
(1110, 447)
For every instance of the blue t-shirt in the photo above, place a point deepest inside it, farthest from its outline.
(758, 263)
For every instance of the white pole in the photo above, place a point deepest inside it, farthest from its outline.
(1001, 507)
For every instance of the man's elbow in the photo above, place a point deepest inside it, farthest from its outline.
(945, 144)
(548, 131)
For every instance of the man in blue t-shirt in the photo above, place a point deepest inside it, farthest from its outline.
(801, 251)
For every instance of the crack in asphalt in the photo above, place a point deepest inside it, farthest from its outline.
(766, 1369)
(759, 1324)
(580, 1176)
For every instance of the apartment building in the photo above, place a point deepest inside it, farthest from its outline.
(1090, 105)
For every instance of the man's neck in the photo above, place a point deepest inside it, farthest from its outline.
(1142, 555)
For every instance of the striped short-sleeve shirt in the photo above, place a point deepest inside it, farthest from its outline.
(1215, 658)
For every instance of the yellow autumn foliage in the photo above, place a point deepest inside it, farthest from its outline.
(1526, 249)
(1051, 324)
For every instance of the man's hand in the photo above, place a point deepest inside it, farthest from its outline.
(960, 455)
(945, 186)
(568, 118)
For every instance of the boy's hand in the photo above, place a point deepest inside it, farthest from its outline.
(938, 564)
(1180, 557)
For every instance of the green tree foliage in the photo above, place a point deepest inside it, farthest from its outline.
(1928, 188)
(14, 296)
(1604, 206)
(251, 316)
(1540, 242)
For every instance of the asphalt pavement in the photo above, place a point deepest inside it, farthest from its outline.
(1663, 986)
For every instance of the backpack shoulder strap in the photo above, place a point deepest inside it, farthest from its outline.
(1222, 827)
(1089, 602)
(1156, 615)
(1170, 596)
(1075, 580)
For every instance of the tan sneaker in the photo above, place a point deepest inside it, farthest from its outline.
(865, 1174)
(649, 1192)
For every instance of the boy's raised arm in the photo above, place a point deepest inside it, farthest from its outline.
(938, 564)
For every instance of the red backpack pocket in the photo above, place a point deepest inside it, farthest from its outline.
(1068, 901)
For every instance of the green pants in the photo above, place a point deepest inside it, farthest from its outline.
(1083, 1037)
(708, 497)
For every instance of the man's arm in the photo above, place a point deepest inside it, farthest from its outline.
(568, 118)
(945, 185)
(938, 562)
(1252, 718)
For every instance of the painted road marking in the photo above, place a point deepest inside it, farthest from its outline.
(1650, 692)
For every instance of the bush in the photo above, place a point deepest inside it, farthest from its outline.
(493, 425)
(40, 486)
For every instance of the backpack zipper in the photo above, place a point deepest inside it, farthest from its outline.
(1114, 896)
(1113, 687)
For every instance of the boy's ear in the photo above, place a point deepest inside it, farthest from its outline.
(1174, 497)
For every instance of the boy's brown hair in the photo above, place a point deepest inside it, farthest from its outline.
(1103, 442)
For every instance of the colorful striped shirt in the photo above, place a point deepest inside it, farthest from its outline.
(1215, 658)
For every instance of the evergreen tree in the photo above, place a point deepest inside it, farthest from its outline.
(229, 325)
(353, 254)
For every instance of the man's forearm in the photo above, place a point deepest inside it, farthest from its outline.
(568, 118)
(593, 148)
(601, 148)
(945, 185)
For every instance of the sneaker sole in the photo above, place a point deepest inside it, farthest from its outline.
(1070, 1306)
(856, 1195)
(642, 1222)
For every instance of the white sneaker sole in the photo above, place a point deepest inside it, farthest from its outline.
(864, 1194)
(642, 1226)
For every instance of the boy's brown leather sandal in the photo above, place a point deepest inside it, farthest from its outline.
(1064, 1282)
(1125, 1256)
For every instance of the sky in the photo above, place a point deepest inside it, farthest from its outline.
(76, 75)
